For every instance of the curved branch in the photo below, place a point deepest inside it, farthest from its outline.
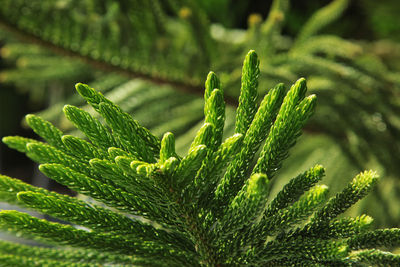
(192, 88)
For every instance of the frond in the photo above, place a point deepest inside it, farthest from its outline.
(210, 206)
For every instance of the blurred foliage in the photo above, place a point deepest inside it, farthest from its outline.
(170, 44)
(383, 18)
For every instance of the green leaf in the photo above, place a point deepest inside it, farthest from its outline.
(212, 83)
(377, 238)
(127, 131)
(44, 153)
(307, 249)
(148, 206)
(210, 174)
(239, 167)
(10, 187)
(99, 219)
(12, 251)
(214, 111)
(339, 228)
(294, 189)
(248, 93)
(296, 212)
(81, 148)
(322, 18)
(119, 121)
(90, 126)
(189, 166)
(115, 152)
(42, 230)
(18, 143)
(46, 130)
(108, 194)
(292, 116)
(167, 147)
(205, 136)
(245, 207)
(13, 260)
(357, 189)
(376, 257)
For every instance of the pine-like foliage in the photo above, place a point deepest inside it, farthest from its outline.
(161, 40)
(125, 35)
(209, 207)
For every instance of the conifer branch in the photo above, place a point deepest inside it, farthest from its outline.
(338, 228)
(321, 18)
(294, 189)
(381, 237)
(19, 260)
(206, 208)
(90, 126)
(260, 126)
(110, 195)
(247, 101)
(357, 189)
(99, 219)
(82, 255)
(46, 130)
(286, 127)
(43, 230)
(192, 86)
(376, 257)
